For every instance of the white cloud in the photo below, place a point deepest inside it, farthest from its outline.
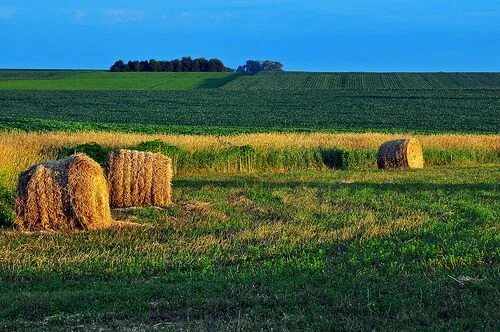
(113, 16)
(7, 12)
(484, 14)
(79, 16)
(207, 16)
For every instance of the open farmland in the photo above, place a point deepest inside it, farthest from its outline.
(100, 80)
(268, 230)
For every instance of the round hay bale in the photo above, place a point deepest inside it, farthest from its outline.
(400, 153)
(137, 178)
(67, 194)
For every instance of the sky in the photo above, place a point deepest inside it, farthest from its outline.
(314, 35)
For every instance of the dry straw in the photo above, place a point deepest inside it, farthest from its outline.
(400, 153)
(139, 179)
(66, 194)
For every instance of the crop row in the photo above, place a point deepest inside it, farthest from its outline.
(367, 81)
(240, 111)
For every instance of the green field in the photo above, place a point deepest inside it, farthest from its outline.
(14, 74)
(318, 251)
(221, 111)
(66, 80)
(367, 81)
(228, 103)
(101, 80)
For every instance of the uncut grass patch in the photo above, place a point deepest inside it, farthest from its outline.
(436, 157)
(248, 159)
(7, 206)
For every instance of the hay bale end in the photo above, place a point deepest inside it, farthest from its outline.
(400, 153)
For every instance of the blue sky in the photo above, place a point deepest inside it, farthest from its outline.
(315, 35)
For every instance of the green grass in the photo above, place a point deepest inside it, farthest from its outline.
(221, 111)
(114, 81)
(366, 81)
(19, 74)
(383, 250)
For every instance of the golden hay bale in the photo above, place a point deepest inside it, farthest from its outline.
(67, 194)
(138, 178)
(400, 153)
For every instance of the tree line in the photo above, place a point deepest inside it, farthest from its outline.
(254, 66)
(186, 64)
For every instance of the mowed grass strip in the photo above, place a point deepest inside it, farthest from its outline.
(120, 81)
(21, 74)
(321, 251)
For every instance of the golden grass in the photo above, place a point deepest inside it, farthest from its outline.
(18, 150)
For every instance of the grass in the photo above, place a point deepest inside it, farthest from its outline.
(19, 74)
(337, 250)
(112, 81)
(251, 153)
(228, 112)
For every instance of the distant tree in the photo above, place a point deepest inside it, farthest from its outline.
(196, 65)
(215, 65)
(271, 66)
(154, 65)
(119, 66)
(145, 66)
(186, 64)
(203, 64)
(177, 65)
(254, 67)
(169, 65)
(134, 66)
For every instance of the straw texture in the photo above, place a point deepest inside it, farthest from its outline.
(138, 178)
(66, 194)
(400, 153)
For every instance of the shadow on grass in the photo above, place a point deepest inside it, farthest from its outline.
(216, 82)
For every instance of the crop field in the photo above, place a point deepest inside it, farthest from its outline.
(221, 111)
(367, 81)
(281, 219)
(67, 80)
